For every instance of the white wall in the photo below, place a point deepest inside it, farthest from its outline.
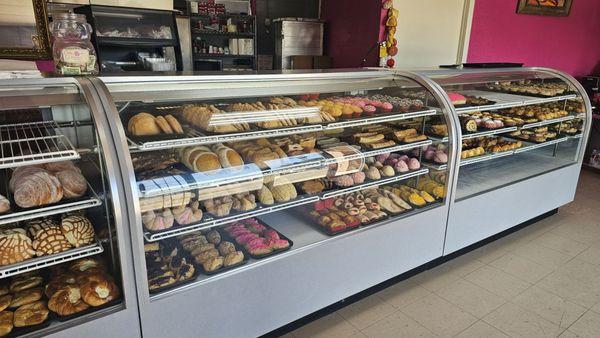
(430, 32)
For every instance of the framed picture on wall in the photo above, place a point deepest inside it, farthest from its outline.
(544, 7)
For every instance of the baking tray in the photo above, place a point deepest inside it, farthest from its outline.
(322, 229)
(224, 268)
(272, 253)
(89, 310)
(178, 283)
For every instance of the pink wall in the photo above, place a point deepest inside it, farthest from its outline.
(350, 32)
(569, 44)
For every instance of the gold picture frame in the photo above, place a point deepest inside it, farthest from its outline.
(545, 7)
(41, 40)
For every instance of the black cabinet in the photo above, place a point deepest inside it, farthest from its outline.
(134, 39)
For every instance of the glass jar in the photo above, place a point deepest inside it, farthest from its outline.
(72, 49)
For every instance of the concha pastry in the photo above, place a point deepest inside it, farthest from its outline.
(373, 173)
(265, 196)
(49, 241)
(15, 246)
(39, 224)
(78, 230)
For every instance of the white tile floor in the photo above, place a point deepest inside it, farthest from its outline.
(542, 281)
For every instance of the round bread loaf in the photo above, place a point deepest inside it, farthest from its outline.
(73, 183)
(31, 314)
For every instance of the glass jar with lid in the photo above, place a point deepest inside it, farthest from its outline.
(72, 49)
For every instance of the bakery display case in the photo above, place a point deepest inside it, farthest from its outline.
(521, 148)
(65, 259)
(269, 180)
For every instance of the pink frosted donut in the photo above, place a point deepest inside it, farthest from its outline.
(245, 238)
(272, 234)
(280, 244)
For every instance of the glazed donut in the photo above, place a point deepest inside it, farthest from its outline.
(353, 211)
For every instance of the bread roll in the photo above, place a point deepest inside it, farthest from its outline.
(25, 297)
(227, 156)
(5, 301)
(20, 173)
(174, 124)
(31, 314)
(4, 205)
(6, 322)
(84, 264)
(73, 183)
(67, 301)
(24, 283)
(99, 292)
(143, 124)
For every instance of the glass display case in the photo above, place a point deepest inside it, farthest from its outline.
(64, 251)
(516, 125)
(235, 179)
(133, 39)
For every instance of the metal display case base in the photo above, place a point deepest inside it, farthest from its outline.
(481, 216)
(316, 272)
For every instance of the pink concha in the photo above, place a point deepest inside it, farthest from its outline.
(440, 157)
(414, 164)
(401, 167)
(403, 158)
(429, 154)
(382, 157)
(358, 177)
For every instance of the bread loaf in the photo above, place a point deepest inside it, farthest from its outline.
(78, 230)
(20, 173)
(200, 158)
(5, 301)
(60, 166)
(143, 124)
(227, 156)
(15, 246)
(49, 241)
(37, 189)
(73, 183)
(31, 314)
(164, 125)
(174, 124)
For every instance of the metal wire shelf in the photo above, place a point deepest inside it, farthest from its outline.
(505, 100)
(489, 132)
(364, 186)
(50, 260)
(34, 143)
(89, 202)
(153, 237)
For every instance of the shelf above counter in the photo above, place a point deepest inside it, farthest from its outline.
(206, 32)
(489, 132)
(89, 201)
(196, 137)
(504, 100)
(34, 143)
(251, 172)
(527, 147)
(262, 210)
(50, 260)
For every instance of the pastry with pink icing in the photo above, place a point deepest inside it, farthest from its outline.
(457, 98)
